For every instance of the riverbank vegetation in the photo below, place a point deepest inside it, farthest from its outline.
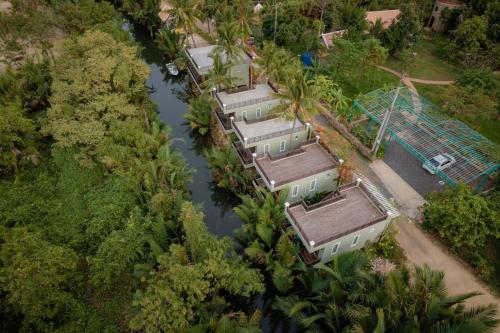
(97, 229)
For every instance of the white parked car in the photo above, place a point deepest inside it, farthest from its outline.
(438, 162)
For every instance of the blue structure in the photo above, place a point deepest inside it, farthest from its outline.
(307, 59)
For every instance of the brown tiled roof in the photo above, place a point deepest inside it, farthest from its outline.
(308, 160)
(388, 17)
(351, 210)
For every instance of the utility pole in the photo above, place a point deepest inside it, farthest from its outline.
(275, 19)
(385, 121)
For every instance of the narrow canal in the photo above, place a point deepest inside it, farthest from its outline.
(170, 94)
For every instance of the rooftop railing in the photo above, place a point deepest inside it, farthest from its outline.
(275, 134)
(247, 102)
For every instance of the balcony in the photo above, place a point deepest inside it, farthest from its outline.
(308, 258)
(197, 79)
(224, 121)
(245, 155)
(258, 182)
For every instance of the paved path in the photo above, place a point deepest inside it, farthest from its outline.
(412, 79)
(421, 248)
(407, 198)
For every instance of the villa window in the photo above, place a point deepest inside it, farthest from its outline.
(266, 148)
(312, 185)
(244, 114)
(269, 106)
(258, 113)
(335, 248)
(283, 145)
(295, 191)
(355, 240)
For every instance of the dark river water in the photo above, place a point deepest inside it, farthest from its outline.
(170, 94)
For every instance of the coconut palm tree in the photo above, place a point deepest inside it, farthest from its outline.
(243, 10)
(273, 61)
(200, 109)
(227, 170)
(219, 75)
(184, 14)
(229, 43)
(300, 98)
(170, 43)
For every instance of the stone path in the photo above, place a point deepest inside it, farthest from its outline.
(412, 79)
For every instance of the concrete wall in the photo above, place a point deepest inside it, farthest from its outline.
(435, 20)
(371, 233)
(325, 181)
(251, 110)
(241, 73)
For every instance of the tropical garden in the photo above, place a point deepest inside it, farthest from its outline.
(98, 232)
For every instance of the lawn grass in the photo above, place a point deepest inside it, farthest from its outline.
(430, 61)
(369, 83)
(439, 95)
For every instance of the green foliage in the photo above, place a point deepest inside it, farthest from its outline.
(349, 15)
(471, 45)
(450, 18)
(346, 295)
(200, 110)
(480, 80)
(227, 170)
(171, 44)
(17, 138)
(350, 61)
(82, 15)
(98, 100)
(185, 14)
(291, 23)
(173, 302)
(143, 12)
(463, 219)
(387, 247)
(405, 32)
(38, 277)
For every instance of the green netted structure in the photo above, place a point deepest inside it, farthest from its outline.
(416, 125)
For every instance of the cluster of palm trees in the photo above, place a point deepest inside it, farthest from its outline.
(347, 295)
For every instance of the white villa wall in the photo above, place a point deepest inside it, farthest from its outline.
(251, 110)
(275, 143)
(325, 181)
(368, 234)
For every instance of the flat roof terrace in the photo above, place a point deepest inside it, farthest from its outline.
(201, 56)
(354, 208)
(261, 92)
(305, 161)
(266, 129)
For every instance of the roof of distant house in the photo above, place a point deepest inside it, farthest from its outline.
(352, 209)
(307, 160)
(328, 37)
(164, 8)
(388, 17)
(452, 2)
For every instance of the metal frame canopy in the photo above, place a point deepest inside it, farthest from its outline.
(415, 124)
